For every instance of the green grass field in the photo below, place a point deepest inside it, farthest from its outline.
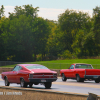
(64, 64)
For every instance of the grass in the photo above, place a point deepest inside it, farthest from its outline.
(64, 64)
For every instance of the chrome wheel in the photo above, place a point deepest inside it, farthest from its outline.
(22, 83)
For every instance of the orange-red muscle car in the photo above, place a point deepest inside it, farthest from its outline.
(29, 74)
(80, 72)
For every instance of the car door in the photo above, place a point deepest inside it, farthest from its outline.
(19, 74)
(13, 74)
(70, 72)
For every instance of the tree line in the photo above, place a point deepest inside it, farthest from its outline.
(26, 37)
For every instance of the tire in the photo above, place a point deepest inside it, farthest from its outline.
(6, 82)
(63, 77)
(78, 78)
(97, 81)
(23, 83)
(48, 85)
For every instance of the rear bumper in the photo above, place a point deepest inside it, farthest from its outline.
(92, 76)
(42, 80)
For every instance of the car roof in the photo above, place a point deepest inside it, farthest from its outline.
(28, 64)
(81, 63)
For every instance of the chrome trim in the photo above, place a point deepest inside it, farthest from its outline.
(43, 75)
(42, 78)
(92, 75)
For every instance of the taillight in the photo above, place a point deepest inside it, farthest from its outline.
(30, 75)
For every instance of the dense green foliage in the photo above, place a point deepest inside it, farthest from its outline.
(26, 37)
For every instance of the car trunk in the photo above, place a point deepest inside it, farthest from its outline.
(43, 73)
(92, 71)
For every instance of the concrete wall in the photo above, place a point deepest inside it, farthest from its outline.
(11, 93)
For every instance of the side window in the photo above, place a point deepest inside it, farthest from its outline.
(72, 67)
(16, 68)
(20, 67)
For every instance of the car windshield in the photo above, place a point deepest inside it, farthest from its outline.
(36, 67)
(83, 66)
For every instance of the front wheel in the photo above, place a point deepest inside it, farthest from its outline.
(23, 83)
(6, 82)
(48, 85)
(63, 77)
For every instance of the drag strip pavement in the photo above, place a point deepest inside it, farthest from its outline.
(68, 86)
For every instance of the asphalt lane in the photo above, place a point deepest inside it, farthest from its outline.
(68, 86)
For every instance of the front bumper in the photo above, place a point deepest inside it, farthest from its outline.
(42, 80)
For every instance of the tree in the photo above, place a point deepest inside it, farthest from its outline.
(26, 10)
(1, 11)
(96, 28)
(54, 46)
(4, 24)
(40, 33)
(19, 41)
(70, 22)
(84, 44)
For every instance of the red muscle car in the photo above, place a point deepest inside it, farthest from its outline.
(80, 72)
(29, 74)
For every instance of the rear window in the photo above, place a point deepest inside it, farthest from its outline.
(83, 66)
(36, 67)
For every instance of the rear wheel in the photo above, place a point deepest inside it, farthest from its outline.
(48, 85)
(63, 77)
(78, 78)
(23, 83)
(6, 82)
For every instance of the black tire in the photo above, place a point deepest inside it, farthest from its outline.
(48, 85)
(78, 78)
(63, 77)
(23, 83)
(6, 82)
(97, 80)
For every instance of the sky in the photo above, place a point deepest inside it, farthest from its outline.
(50, 9)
